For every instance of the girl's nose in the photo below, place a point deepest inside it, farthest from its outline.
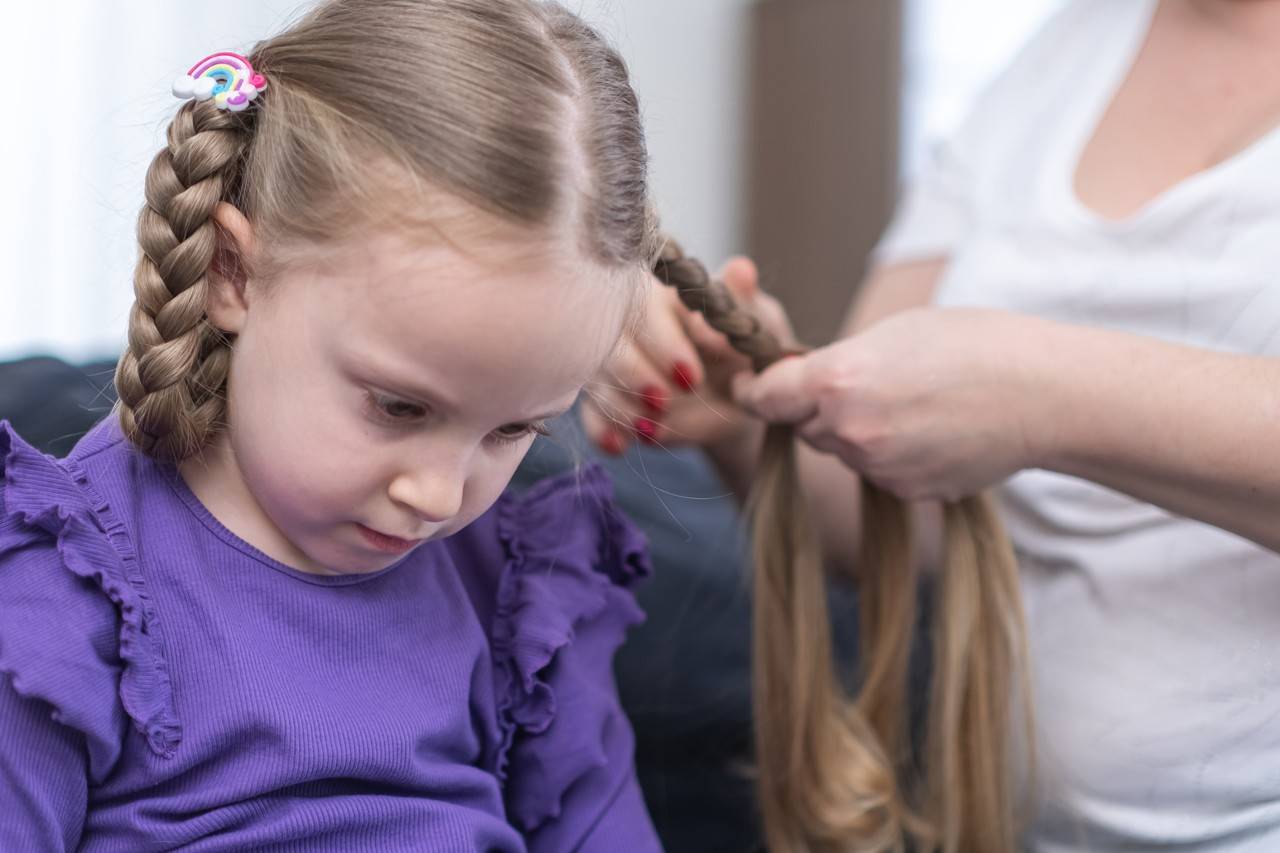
(434, 496)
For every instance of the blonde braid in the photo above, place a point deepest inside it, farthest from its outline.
(171, 380)
(836, 775)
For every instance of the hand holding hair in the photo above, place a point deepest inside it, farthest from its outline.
(928, 403)
(669, 381)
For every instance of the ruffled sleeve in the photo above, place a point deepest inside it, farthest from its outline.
(563, 608)
(77, 630)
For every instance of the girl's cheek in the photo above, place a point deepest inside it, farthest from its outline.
(486, 487)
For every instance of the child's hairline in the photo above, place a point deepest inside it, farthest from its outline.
(401, 201)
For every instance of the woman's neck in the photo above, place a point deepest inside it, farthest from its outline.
(1251, 20)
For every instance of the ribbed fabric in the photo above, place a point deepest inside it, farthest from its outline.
(165, 685)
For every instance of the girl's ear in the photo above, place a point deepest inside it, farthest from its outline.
(228, 306)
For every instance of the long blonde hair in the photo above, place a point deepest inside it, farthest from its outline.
(516, 107)
(843, 775)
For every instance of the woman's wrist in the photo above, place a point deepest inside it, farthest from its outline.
(1095, 384)
(1055, 380)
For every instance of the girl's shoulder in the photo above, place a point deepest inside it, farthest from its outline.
(551, 572)
(568, 524)
(74, 615)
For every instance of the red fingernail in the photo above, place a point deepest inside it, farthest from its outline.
(647, 430)
(682, 374)
(611, 443)
(654, 398)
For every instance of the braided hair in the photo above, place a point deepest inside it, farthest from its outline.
(376, 108)
(841, 775)
(171, 380)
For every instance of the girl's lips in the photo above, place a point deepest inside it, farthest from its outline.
(385, 543)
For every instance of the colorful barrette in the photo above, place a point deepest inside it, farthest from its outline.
(227, 78)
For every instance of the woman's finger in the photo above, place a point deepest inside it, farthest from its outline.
(640, 393)
(741, 276)
(820, 434)
(599, 428)
(611, 423)
(631, 396)
(663, 340)
(780, 394)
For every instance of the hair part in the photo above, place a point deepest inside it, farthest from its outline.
(516, 107)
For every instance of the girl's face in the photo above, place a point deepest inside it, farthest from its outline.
(382, 394)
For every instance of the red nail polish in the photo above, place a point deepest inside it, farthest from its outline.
(654, 398)
(682, 374)
(647, 430)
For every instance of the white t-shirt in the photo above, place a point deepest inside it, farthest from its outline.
(1155, 640)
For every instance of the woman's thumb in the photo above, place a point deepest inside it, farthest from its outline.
(741, 277)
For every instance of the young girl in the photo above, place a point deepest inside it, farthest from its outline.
(278, 601)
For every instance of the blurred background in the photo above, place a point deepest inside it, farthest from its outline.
(779, 128)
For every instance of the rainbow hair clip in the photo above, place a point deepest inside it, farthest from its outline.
(227, 78)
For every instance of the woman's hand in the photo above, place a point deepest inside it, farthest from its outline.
(669, 382)
(928, 403)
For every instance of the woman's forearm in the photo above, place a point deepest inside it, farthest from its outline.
(1193, 431)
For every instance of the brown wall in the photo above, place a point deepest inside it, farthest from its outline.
(823, 148)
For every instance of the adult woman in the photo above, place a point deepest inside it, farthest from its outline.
(1101, 239)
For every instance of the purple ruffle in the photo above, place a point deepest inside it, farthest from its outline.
(44, 500)
(570, 558)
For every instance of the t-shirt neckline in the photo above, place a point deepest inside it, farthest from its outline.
(202, 514)
(1105, 84)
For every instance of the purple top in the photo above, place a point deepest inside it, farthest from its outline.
(164, 684)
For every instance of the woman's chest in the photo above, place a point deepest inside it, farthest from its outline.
(1194, 98)
(1211, 280)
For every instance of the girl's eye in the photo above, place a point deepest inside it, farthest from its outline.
(512, 433)
(393, 410)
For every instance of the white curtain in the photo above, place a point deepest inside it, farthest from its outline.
(84, 112)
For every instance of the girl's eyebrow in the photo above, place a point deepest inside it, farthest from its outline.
(403, 390)
(406, 391)
(550, 416)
